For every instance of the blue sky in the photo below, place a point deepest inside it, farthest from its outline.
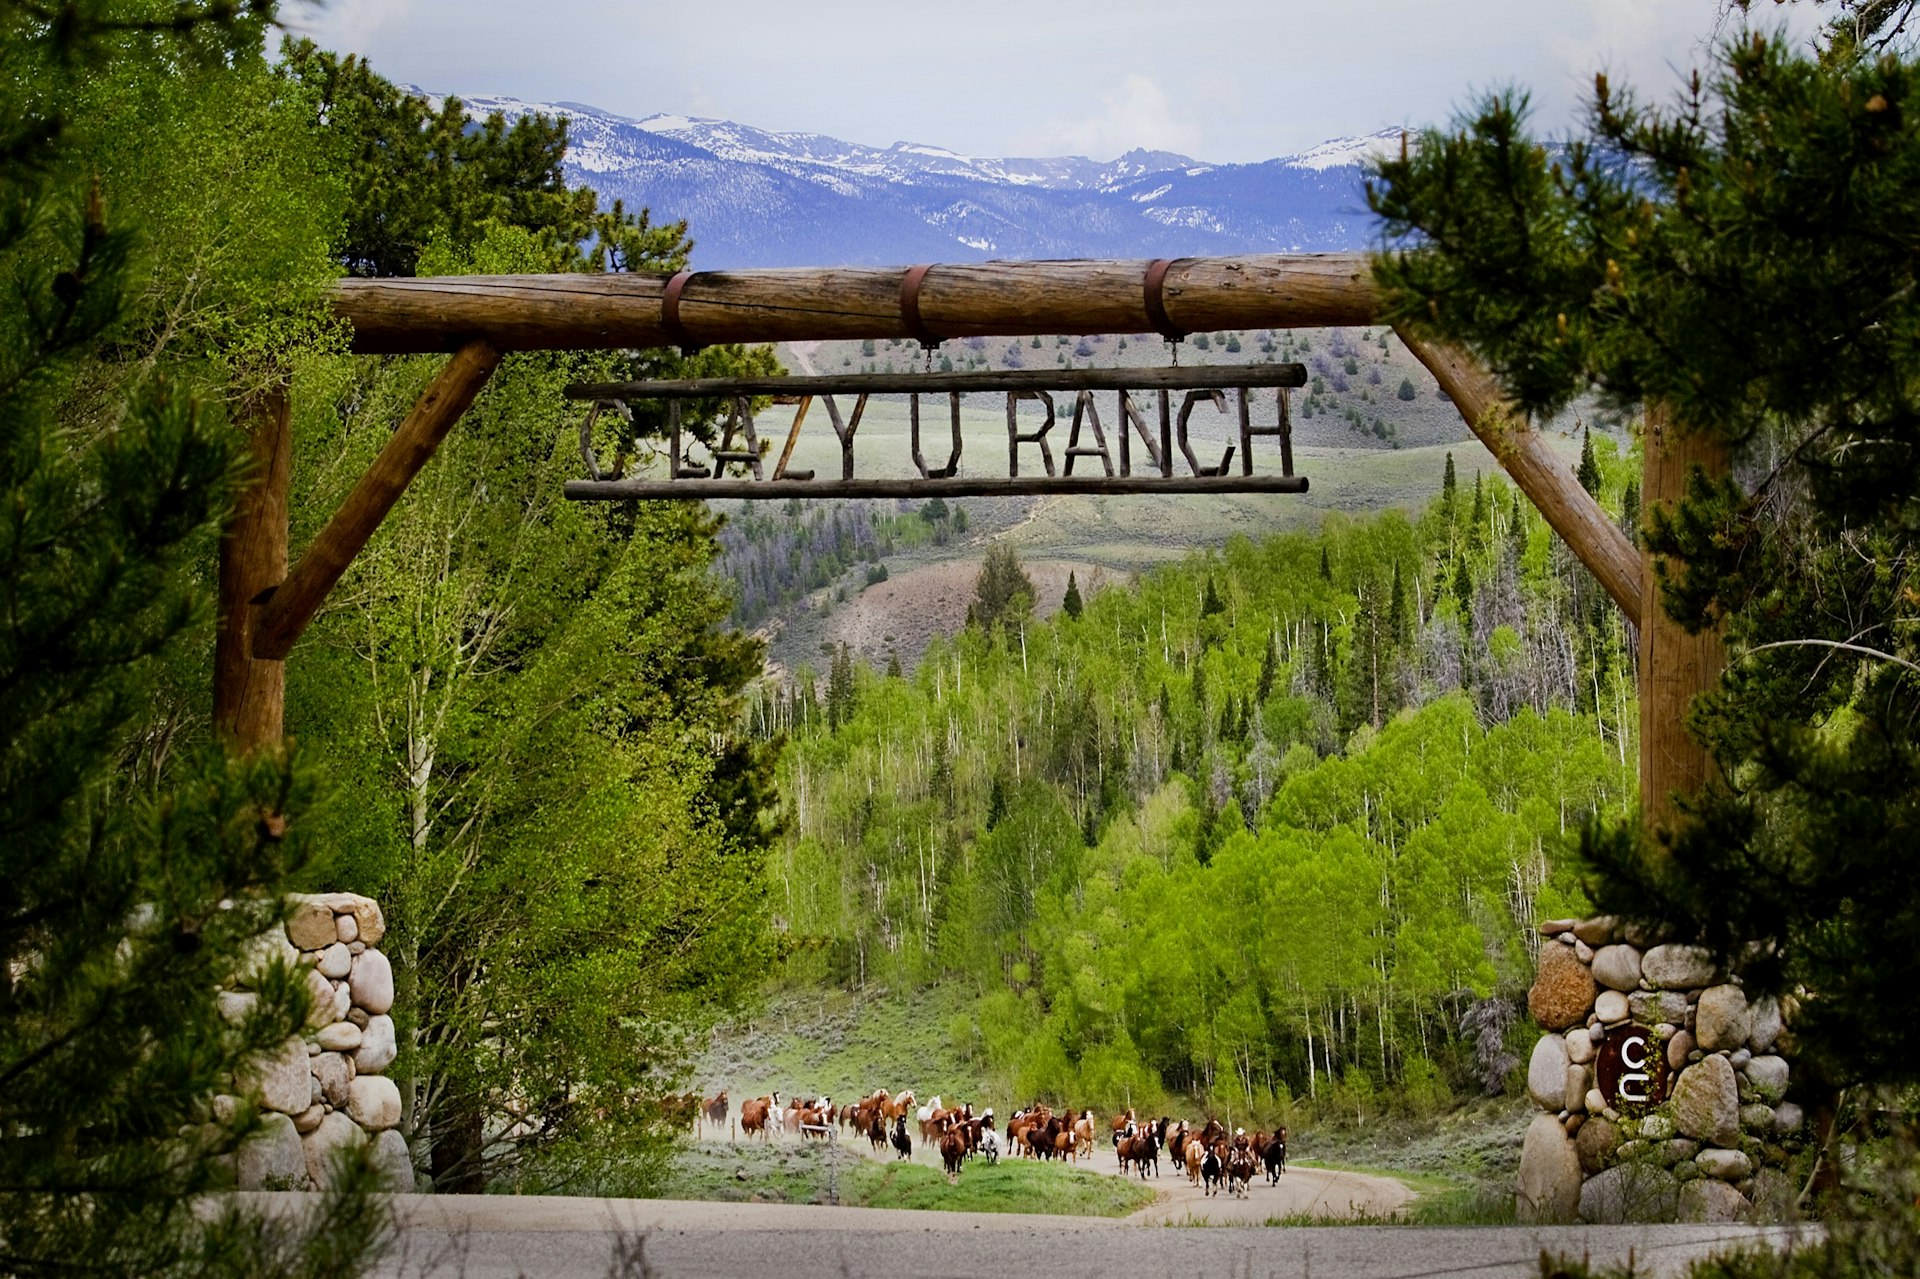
(1224, 80)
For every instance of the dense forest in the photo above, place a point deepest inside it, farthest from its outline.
(517, 724)
(772, 556)
(1277, 820)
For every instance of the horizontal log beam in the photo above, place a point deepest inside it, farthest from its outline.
(1205, 377)
(958, 486)
(285, 614)
(984, 299)
(1540, 473)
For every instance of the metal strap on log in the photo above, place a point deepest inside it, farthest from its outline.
(670, 312)
(910, 305)
(1154, 297)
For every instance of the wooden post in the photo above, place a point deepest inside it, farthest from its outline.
(1580, 521)
(249, 693)
(1675, 667)
(292, 605)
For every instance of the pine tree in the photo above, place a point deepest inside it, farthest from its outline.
(1736, 291)
(1326, 667)
(893, 664)
(134, 881)
(1463, 592)
(1326, 565)
(1368, 698)
(1070, 604)
(1589, 472)
(1270, 668)
(1630, 509)
(418, 175)
(841, 690)
(1449, 494)
(1517, 528)
(1210, 605)
(1003, 594)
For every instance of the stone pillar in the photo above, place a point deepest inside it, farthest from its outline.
(1712, 1148)
(326, 1090)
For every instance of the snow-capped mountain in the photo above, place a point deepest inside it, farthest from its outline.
(755, 197)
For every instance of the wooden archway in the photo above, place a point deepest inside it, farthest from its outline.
(265, 604)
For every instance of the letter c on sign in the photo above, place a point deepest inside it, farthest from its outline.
(1633, 1055)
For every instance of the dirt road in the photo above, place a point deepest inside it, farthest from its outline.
(1301, 1192)
(1309, 1192)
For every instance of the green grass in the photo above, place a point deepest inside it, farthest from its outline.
(1010, 1186)
(1440, 1200)
(750, 1172)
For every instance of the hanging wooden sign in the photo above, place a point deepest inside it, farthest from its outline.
(1130, 431)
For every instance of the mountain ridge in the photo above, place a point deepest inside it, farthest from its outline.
(758, 197)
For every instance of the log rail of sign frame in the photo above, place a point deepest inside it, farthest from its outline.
(1145, 423)
(265, 605)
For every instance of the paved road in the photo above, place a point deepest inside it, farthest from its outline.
(503, 1237)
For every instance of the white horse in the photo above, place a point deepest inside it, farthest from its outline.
(990, 1143)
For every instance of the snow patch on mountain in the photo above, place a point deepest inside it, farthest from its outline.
(1349, 152)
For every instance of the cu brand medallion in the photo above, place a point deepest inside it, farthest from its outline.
(1632, 1069)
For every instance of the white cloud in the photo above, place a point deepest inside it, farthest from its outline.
(349, 26)
(1139, 115)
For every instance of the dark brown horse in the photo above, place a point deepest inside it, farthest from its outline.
(1274, 1156)
(1140, 1150)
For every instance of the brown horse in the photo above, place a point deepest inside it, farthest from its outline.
(714, 1109)
(1140, 1150)
(754, 1114)
(953, 1151)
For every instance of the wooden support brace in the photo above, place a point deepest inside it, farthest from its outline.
(286, 613)
(1526, 456)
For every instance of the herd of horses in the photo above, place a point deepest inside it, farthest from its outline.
(1211, 1156)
